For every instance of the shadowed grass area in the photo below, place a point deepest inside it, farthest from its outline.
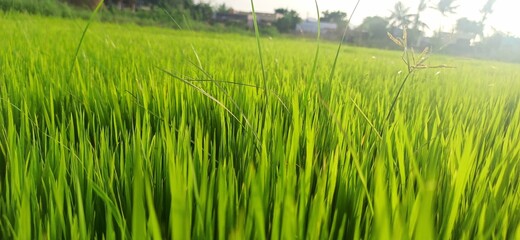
(121, 149)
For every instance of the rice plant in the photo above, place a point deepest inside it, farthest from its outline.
(129, 145)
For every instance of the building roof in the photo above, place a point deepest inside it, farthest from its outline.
(312, 26)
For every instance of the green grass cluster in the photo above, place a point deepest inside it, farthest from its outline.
(159, 134)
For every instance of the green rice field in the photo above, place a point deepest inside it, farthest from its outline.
(153, 133)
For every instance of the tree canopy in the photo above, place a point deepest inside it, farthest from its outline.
(375, 26)
(289, 20)
(446, 7)
(465, 25)
(400, 17)
(337, 17)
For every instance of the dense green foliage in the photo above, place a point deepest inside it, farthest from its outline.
(288, 22)
(197, 16)
(111, 146)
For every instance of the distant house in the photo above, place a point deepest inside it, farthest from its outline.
(246, 18)
(263, 19)
(311, 26)
(231, 17)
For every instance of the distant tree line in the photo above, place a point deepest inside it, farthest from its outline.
(467, 37)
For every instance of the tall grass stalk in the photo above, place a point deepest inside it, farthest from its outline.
(257, 34)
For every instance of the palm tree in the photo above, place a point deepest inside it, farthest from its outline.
(417, 23)
(446, 7)
(400, 17)
(486, 10)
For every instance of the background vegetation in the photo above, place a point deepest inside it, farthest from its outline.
(466, 38)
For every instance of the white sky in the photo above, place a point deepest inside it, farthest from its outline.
(506, 15)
